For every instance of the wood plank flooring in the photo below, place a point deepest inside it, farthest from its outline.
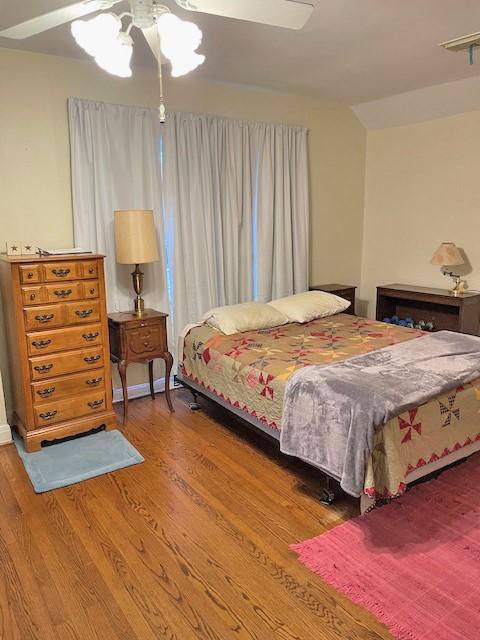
(191, 544)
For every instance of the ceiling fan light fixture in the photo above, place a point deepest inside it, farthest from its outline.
(116, 59)
(178, 41)
(102, 38)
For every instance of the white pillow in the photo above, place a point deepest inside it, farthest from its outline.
(307, 306)
(249, 316)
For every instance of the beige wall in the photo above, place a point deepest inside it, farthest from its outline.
(422, 188)
(34, 150)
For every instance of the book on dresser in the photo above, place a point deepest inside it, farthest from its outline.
(57, 334)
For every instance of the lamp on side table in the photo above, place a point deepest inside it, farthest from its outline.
(139, 335)
(136, 243)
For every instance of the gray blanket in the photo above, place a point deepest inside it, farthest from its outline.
(331, 413)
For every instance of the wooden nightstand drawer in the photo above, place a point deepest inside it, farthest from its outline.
(67, 386)
(41, 342)
(145, 341)
(75, 407)
(67, 362)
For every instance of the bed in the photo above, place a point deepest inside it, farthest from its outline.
(247, 373)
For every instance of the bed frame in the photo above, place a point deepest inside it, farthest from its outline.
(327, 494)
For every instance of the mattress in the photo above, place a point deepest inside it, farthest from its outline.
(249, 371)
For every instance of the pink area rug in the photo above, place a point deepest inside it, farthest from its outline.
(415, 563)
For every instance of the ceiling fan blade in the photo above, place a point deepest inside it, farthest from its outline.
(151, 36)
(53, 19)
(278, 13)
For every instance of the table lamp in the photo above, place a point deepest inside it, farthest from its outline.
(448, 255)
(136, 243)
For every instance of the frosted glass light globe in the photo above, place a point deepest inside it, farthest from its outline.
(178, 41)
(101, 37)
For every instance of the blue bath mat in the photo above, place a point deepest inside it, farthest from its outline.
(71, 461)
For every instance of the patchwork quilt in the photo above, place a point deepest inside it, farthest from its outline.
(249, 371)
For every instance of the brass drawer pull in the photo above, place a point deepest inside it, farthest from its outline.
(44, 393)
(46, 317)
(41, 344)
(92, 359)
(93, 381)
(44, 368)
(62, 293)
(83, 313)
(92, 291)
(90, 336)
(48, 415)
(95, 404)
(32, 296)
(91, 270)
(61, 273)
(30, 275)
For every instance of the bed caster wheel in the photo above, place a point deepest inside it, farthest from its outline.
(327, 497)
(194, 406)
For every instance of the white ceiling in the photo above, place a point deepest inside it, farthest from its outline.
(351, 51)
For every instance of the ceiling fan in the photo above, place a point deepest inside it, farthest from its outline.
(106, 39)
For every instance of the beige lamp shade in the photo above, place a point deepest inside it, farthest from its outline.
(135, 237)
(447, 255)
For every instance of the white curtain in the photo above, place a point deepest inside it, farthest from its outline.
(115, 156)
(208, 213)
(282, 208)
(236, 212)
(230, 200)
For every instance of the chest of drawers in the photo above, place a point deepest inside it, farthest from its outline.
(57, 335)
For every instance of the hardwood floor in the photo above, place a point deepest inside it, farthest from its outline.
(191, 544)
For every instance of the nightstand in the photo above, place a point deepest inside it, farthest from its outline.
(139, 339)
(346, 291)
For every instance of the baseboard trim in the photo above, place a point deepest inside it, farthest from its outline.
(5, 434)
(140, 390)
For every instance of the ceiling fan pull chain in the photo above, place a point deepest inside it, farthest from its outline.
(162, 116)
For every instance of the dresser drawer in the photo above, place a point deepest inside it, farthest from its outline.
(67, 386)
(44, 317)
(59, 271)
(89, 269)
(30, 273)
(42, 294)
(77, 312)
(68, 362)
(74, 407)
(41, 342)
(145, 341)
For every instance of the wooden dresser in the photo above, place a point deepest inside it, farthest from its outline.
(57, 333)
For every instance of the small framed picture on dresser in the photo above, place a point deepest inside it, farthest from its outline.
(13, 248)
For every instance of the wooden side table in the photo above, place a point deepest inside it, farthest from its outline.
(443, 309)
(139, 339)
(346, 291)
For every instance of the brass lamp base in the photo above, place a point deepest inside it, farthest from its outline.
(459, 286)
(137, 279)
